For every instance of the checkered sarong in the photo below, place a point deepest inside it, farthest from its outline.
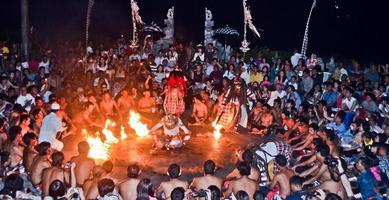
(227, 115)
(173, 105)
(284, 149)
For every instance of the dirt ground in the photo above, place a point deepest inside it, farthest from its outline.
(201, 147)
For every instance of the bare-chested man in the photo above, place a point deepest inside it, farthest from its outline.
(92, 99)
(108, 105)
(206, 99)
(14, 146)
(281, 179)
(84, 164)
(55, 172)
(243, 183)
(3, 134)
(83, 119)
(287, 124)
(335, 187)
(166, 188)
(125, 102)
(90, 185)
(267, 117)
(146, 104)
(127, 189)
(200, 111)
(247, 157)
(319, 171)
(24, 123)
(266, 120)
(40, 162)
(208, 179)
(108, 167)
(307, 141)
(255, 114)
(29, 152)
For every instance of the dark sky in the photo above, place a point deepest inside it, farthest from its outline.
(359, 28)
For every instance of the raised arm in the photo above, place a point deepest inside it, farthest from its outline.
(310, 170)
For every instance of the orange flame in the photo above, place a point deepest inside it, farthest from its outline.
(140, 129)
(216, 132)
(98, 149)
(123, 135)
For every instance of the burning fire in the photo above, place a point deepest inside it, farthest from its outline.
(216, 132)
(140, 129)
(98, 149)
(123, 135)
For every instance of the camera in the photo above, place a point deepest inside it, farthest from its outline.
(68, 165)
(331, 161)
(200, 193)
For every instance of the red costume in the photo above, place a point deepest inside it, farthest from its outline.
(174, 100)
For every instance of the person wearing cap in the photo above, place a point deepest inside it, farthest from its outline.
(51, 127)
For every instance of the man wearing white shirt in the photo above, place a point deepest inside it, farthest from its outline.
(245, 75)
(349, 103)
(25, 99)
(51, 126)
(134, 56)
(158, 60)
(210, 67)
(278, 93)
(45, 63)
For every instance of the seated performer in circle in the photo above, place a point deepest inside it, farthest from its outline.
(170, 136)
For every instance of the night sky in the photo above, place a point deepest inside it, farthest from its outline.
(350, 28)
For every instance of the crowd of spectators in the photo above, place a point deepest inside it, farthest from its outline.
(333, 115)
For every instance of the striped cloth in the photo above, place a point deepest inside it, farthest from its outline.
(174, 105)
(227, 114)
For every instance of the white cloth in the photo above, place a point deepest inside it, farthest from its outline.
(209, 69)
(89, 50)
(229, 75)
(96, 82)
(25, 65)
(102, 68)
(159, 76)
(23, 101)
(46, 65)
(51, 125)
(295, 85)
(134, 57)
(271, 151)
(201, 56)
(246, 77)
(274, 95)
(158, 60)
(349, 103)
(243, 116)
(171, 132)
(343, 71)
(172, 62)
(294, 60)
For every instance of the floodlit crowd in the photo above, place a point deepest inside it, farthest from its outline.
(328, 118)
